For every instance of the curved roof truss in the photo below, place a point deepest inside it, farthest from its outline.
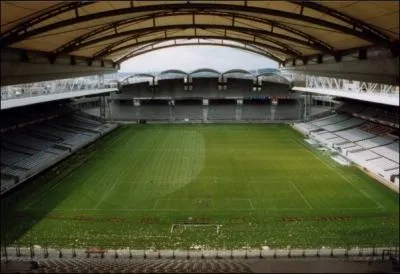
(257, 44)
(264, 23)
(169, 74)
(139, 75)
(194, 44)
(267, 75)
(205, 70)
(188, 41)
(173, 71)
(238, 72)
(284, 29)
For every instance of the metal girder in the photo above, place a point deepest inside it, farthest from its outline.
(363, 34)
(253, 48)
(210, 70)
(71, 44)
(243, 71)
(382, 68)
(139, 32)
(192, 37)
(111, 48)
(367, 30)
(330, 83)
(177, 71)
(35, 66)
(265, 54)
(325, 47)
(48, 13)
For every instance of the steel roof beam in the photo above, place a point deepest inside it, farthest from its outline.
(264, 54)
(161, 39)
(201, 44)
(365, 28)
(139, 32)
(42, 16)
(363, 34)
(244, 46)
(324, 47)
(287, 50)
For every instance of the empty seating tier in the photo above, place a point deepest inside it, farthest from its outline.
(389, 151)
(31, 149)
(354, 134)
(369, 144)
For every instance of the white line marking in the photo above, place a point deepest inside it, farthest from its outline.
(368, 209)
(155, 205)
(301, 194)
(107, 193)
(341, 175)
(251, 204)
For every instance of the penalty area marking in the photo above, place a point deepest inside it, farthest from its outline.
(191, 201)
(155, 204)
(301, 194)
(251, 204)
(107, 193)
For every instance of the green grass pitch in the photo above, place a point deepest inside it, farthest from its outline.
(262, 184)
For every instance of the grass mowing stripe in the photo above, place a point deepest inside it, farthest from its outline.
(247, 177)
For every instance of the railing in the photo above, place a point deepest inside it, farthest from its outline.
(349, 86)
(37, 252)
(57, 86)
(321, 82)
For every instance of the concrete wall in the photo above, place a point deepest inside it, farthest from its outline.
(274, 89)
(198, 112)
(135, 90)
(238, 87)
(170, 87)
(205, 87)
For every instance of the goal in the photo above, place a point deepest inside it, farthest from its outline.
(191, 226)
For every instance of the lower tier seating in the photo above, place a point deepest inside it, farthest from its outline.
(29, 150)
(367, 144)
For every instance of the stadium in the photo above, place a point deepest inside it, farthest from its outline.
(288, 169)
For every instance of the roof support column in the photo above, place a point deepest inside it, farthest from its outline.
(307, 106)
(105, 110)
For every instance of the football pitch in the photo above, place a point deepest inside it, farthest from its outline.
(215, 186)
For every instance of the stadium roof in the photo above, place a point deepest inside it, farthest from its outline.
(117, 30)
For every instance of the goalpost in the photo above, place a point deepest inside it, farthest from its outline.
(185, 226)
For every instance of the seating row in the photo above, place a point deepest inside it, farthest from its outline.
(364, 143)
(29, 150)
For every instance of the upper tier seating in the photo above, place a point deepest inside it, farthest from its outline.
(376, 129)
(385, 115)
